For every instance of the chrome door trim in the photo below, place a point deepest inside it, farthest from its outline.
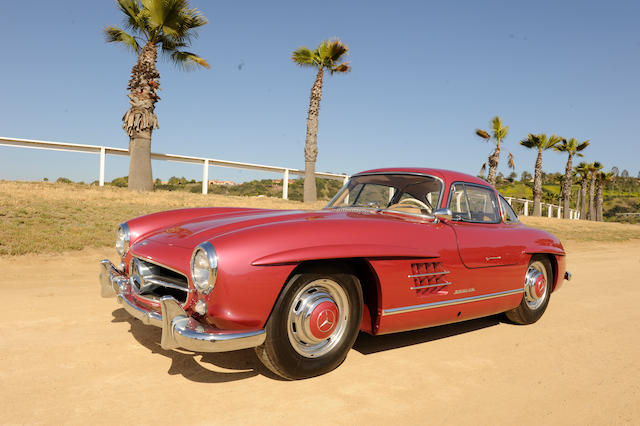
(429, 286)
(443, 303)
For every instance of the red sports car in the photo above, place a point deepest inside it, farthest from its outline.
(395, 250)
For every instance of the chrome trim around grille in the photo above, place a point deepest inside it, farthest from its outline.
(443, 303)
(430, 285)
(429, 274)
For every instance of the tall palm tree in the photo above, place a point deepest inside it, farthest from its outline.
(582, 170)
(540, 142)
(601, 179)
(571, 147)
(498, 133)
(594, 168)
(152, 24)
(330, 55)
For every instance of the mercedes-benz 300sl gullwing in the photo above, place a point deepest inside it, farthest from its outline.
(394, 250)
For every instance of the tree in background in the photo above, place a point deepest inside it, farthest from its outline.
(571, 147)
(498, 133)
(582, 170)
(329, 54)
(624, 174)
(602, 179)
(540, 142)
(165, 24)
(594, 168)
(615, 171)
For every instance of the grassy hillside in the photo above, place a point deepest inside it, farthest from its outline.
(56, 217)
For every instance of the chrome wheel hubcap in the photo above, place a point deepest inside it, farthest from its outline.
(318, 318)
(535, 285)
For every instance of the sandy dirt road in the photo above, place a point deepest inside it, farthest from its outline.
(68, 356)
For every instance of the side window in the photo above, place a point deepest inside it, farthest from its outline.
(474, 203)
(508, 214)
(458, 202)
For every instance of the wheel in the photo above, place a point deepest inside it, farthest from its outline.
(313, 325)
(537, 290)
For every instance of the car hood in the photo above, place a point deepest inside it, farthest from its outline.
(192, 232)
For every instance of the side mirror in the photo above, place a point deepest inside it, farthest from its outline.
(443, 214)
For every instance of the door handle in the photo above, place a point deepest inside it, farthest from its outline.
(493, 258)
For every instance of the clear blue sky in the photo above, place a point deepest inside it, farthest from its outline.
(425, 75)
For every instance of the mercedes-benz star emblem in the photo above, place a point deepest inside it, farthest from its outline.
(325, 320)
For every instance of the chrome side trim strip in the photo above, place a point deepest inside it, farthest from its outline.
(429, 274)
(443, 303)
(429, 286)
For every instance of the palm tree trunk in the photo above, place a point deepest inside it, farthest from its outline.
(599, 202)
(140, 120)
(493, 165)
(578, 200)
(537, 186)
(566, 189)
(583, 193)
(592, 194)
(311, 142)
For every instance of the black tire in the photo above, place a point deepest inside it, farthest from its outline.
(531, 309)
(287, 351)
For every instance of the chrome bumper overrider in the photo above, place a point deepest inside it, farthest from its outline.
(178, 329)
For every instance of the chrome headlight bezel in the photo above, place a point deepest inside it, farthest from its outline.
(204, 279)
(122, 239)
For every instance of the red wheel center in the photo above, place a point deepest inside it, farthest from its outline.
(324, 319)
(540, 285)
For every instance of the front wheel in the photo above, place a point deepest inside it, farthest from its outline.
(313, 325)
(537, 290)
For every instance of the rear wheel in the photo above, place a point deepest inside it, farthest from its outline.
(313, 325)
(537, 290)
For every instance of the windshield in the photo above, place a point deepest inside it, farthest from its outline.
(414, 194)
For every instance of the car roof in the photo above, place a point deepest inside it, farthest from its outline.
(446, 175)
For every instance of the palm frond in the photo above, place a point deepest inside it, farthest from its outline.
(532, 141)
(303, 56)
(483, 169)
(483, 134)
(188, 60)
(582, 146)
(118, 35)
(511, 163)
(345, 67)
(499, 131)
(552, 141)
(336, 50)
(135, 14)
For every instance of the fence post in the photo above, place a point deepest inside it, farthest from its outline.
(285, 184)
(509, 200)
(526, 207)
(559, 211)
(549, 210)
(205, 177)
(101, 175)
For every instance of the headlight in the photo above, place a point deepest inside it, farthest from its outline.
(122, 239)
(204, 267)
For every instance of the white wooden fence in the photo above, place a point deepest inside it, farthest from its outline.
(103, 151)
(573, 214)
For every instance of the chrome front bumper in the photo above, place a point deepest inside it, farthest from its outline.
(178, 329)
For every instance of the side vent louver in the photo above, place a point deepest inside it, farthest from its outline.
(428, 278)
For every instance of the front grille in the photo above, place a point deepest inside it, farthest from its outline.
(156, 281)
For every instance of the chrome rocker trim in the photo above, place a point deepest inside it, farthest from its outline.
(451, 302)
(178, 329)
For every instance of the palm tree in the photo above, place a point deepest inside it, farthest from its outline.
(602, 179)
(498, 133)
(582, 170)
(165, 24)
(571, 147)
(329, 54)
(594, 168)
(540, 142)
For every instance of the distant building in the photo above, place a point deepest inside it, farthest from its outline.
(222, 182)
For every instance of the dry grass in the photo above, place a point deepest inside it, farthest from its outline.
(51, 218)
(582, 230)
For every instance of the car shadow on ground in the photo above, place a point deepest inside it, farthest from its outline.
(244, 364)
(195, 366)
(367, 344)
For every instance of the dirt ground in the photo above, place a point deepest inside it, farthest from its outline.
(68, 356)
